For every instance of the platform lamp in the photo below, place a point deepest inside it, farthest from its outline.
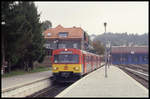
(108, 46)
(105, 24)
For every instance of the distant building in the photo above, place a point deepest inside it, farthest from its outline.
(129, 54)
(60, 37)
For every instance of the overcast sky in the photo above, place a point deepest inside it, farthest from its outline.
(130, 17)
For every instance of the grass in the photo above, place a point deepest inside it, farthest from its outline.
(22, 72)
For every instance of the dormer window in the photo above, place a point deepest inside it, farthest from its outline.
(63, 34)
(48, 34)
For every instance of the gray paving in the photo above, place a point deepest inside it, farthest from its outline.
(10, 82)
(117, 84)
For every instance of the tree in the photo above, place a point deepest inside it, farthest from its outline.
(45, 25)
(98, 47)
(23, 37)
(6, 15)
(34, 46)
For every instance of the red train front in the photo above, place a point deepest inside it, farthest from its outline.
(70, 64)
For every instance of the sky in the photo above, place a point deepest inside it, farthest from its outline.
(121, 17)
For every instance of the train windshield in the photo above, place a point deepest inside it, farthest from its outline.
(66, 58)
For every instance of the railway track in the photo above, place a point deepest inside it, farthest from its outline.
(54, 89)
(137, 74)
(140, 68)
(51, 91)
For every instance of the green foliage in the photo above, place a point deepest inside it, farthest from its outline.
(21, 72)
(22, 32)
(45, 25)
(98, 47)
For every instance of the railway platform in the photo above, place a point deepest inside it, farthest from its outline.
(14, 81)
(95, 84)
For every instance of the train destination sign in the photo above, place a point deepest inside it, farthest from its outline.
(66, 52)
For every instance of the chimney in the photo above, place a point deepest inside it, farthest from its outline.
(59, 26)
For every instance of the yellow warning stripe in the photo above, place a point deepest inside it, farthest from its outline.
(67, 67)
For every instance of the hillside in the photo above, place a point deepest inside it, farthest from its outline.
(118, 39)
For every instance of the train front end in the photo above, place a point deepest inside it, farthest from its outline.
(66, 65)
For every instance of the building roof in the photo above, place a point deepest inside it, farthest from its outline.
(74, 32)
(125, 49)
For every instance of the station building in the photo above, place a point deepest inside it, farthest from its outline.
(60, 37)
(129, 55)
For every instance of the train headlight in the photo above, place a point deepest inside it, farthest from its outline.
(55, 68)
(76, 68)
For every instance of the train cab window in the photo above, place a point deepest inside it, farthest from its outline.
(66, 58)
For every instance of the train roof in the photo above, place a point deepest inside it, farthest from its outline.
(85, 52)
(89, 53)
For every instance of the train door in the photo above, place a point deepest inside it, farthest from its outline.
(84, 63)
(92, 63)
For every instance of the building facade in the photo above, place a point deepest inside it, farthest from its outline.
(129, 55)
(60, 37)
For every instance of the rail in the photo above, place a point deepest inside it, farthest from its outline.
(141, 68)
(136, 70)
(27, 89)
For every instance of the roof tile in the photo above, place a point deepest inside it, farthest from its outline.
(74, 32)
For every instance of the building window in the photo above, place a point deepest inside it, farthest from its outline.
(63, 34)
(75, 45)
(49, 34)
(62, 46)
(145, 58)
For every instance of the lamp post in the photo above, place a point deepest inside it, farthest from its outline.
(105, 26)
(108, 52)
(105, 53)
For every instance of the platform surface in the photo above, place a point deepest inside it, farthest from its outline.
(117, 84)
(13, 81)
